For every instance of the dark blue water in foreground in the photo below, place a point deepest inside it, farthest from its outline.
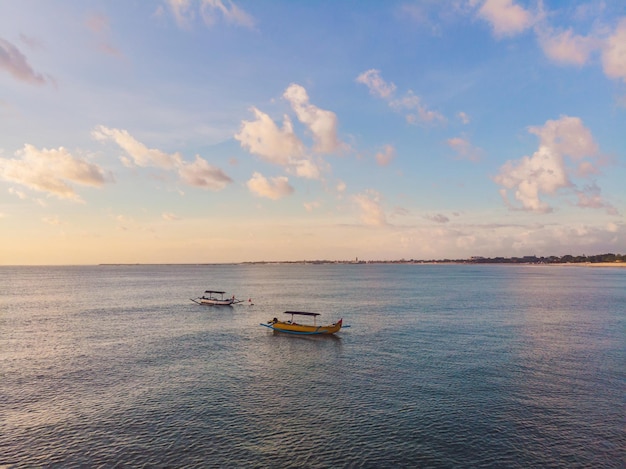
(444, 366)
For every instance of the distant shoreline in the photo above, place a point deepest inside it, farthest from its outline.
(591, 264)
(401, 262)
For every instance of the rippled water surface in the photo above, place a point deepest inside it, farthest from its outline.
(443, 366)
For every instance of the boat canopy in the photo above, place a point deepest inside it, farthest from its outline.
(214, 291)
(302, 313)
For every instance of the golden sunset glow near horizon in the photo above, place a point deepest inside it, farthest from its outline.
(215, 131)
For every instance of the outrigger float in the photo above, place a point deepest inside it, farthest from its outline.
(291, 327)
(211, 298)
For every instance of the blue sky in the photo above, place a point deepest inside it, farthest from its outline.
(218, 131)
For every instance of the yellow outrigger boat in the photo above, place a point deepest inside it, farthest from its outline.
(292, 327)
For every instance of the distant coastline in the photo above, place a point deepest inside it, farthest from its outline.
(600, 260)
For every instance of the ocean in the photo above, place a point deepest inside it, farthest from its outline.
(443, 366)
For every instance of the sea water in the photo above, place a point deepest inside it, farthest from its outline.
(443, 366)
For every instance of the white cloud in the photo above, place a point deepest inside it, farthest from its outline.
(321, 123)
(384, 157)
(590, 197)
(561, 142)
(281, 146)
(212, 9)
(15, 63)
(614, 52)
(376, 84)
(185, 12)
(199, 173)
(305, 168)
(274, 188)
(464, 149)
(506, 17)
(263, 137)
(138, 152)
(370, 207)
(566, 47)
(420, 113)
(202, 174)
(51, 171)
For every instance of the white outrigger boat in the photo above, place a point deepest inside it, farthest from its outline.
(215, 298)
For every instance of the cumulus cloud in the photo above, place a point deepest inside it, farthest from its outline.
(305, 168)
(562, 46)
(565, 47)
(386, 155)
(321, 123)
(505, 17)
(15, 63)
(464, 149)
(263, 137)
(371, 211)
(53, 171)
(568, 48)
(614, 52)
(210, 11)
(281, 145)
(590, 197)
(274, 188)
(565, 146)
(199, 173)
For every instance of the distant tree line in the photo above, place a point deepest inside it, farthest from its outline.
(567, 259)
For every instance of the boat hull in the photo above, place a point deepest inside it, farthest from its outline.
(303, 329)
(213, 302)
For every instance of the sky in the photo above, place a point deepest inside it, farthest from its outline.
(211, 131)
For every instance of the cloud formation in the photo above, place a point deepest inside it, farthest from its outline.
(281, 146)
(210, 11)
(375, 83)
(51, 171)
(505, 17)
(321, 123)
(562, 46)
(566, 149)
(263, 137)
(199, 173)
(416, 111)
(386, 155)
(614, 52)
(274, 188)
(15, 63)
(464, 149)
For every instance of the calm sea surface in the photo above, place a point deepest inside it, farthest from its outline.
(443, 366)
